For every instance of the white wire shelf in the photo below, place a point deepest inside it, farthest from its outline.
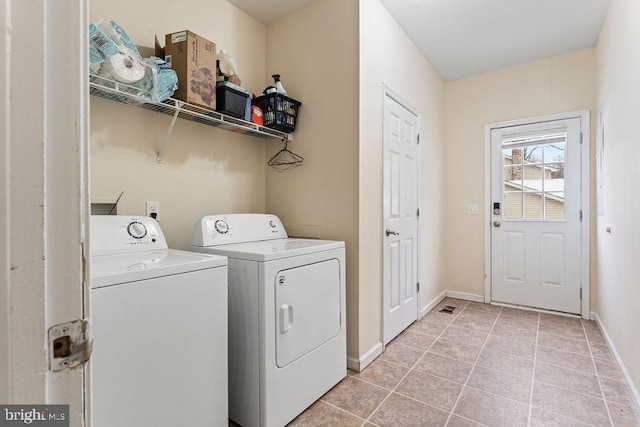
(112, 90)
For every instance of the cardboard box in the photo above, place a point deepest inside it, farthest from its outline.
(193, 58)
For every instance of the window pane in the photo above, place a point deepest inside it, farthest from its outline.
(554, 206)
(554, 153)
(511, 158)
(531, 154)
(513, 175)
(533, 205)
(513, 205)
(532, 178)
(554, 177)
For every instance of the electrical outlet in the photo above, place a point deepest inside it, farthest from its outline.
(153, 210)
(473, 209)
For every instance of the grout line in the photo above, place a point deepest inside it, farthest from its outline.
(564, 416)
(564, 337)
(568, 389)
(593, 373)
(595, 368)
(420, 401)
(475, 363)
(374, 384)
(585, 354)
(417, 370)
(562, 325)
(578, 371)
(520, 402)
(473, 367)
(414, 365)
(343, 410)
(533, 374)
(469, 419)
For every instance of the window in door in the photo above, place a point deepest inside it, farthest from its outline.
(533, 174)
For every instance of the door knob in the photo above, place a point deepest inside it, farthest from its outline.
(496, 224)
(390, 232)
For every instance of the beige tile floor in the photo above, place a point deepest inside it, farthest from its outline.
(484, 365)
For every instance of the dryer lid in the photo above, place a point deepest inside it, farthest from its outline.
(270, 250)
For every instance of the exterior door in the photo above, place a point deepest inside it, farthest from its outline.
(400, 199)
(536, 215)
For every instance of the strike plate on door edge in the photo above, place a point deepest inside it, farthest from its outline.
(69, 345)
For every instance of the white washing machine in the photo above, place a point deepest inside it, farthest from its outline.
(159, 327)
(287, 339)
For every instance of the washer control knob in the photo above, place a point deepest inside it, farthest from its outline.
(221, 227)
(137, 230)
(272, 224)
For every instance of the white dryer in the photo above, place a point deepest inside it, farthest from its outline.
(159, 326)
(287, 339)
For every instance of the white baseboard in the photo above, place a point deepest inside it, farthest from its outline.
(359, 364)
(632, 386)
(427, 308)
(465, 296)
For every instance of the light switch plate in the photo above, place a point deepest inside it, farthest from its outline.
(473, 209)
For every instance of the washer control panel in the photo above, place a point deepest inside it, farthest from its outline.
(236, 228)
(116, 234)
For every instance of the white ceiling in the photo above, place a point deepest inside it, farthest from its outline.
(461, 38)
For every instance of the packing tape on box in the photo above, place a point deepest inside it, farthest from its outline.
(125, 66)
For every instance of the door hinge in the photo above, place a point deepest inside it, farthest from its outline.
(580, 215)
(418, 139)
(580, 294)
(418, 286)
(418, 212)
(580, 137)
(69, 345)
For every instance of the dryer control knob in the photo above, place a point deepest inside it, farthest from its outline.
(221, 227)
(137, 230)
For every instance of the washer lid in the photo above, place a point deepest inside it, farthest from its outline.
(269, 250)
(109, 270)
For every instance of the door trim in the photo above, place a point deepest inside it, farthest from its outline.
(388, 92)
(44, 195)
(585, 197)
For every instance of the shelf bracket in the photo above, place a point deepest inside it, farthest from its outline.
(179, 105)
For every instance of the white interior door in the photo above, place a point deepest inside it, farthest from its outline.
(43, 197)
(536, 215)
(400, 198)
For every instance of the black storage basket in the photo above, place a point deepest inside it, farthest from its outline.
(279, 111)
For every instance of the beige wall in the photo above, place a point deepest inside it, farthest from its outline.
(315, 49)
(553, 85)
(388, 56)
(205, 170)
(618, 65)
